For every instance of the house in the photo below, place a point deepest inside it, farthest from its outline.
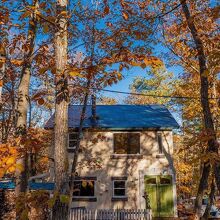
(125, 153)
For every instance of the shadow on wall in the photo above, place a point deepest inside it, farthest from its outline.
(95, 161)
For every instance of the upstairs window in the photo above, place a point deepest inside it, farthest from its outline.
(72, 140)
(127, 143)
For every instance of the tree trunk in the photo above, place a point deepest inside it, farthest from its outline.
(82, 117)
(60, 211)
(207, 115)
(62, 97)
(80, 130)
(2, 69)
(210, 202)
(23, 101)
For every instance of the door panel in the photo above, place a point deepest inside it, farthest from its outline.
(160, 192)
(151, 189)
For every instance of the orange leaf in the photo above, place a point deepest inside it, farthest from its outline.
(40, 101)
(106, 10)
(17, 62)
(125, 15)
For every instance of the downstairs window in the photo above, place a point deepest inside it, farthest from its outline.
(84, 189)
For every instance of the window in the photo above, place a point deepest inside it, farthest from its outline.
(84, 188)
(119, 188)
(160, 142)
(151, 181)
(165, 181)
(126, 143)
(72, 140)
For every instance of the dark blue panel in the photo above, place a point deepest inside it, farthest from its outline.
(7, 185)
(122, 117)
(43, 186)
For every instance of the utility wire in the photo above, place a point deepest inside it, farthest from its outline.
(148, 95)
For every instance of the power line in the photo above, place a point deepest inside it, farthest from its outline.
(149, 95)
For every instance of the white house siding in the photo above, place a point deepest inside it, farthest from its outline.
(96, 150)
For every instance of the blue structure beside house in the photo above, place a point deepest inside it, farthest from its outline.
(7, 184)
(10, 184)
(41, 186)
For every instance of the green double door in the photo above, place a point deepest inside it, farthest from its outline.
(160, 193)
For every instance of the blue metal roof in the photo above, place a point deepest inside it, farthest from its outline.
(122, 117)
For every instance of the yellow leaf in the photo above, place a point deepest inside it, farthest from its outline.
(135, 64)
(51, 202)
(2, 172)
(11, 169)
(75, 73)
(19, 167)
(64, 199)
(119, 76)
(11, 160)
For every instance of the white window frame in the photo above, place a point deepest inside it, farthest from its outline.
(113, 189)
(72, 148)
(87, 196)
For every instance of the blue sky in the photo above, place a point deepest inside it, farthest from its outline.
(130, 75)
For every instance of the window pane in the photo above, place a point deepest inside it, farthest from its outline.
(151, 181)
(119, 184)
(164, 180)
(84, 188)
(72, 144)
(76, 188)
(73, 136)
(120, 143)
(119, 192)
(133, 143)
